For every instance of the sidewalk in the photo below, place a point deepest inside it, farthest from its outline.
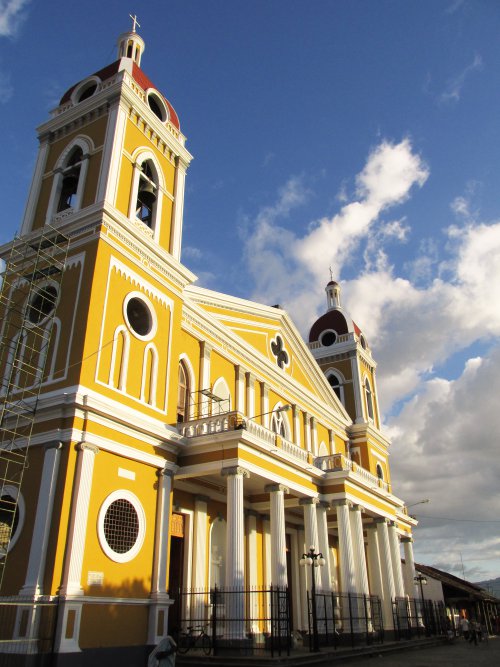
(457, 654)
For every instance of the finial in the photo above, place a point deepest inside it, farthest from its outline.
(135, 22)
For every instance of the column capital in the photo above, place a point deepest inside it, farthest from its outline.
(252, 513)
(380, 520)
(406, 539)
(341, 502)
(270, 488)
(55, 444)
(84, 446)
(202, 499)
(308, 501)
(234, 470)
(166, 472)
(323, 504)
(357, 508)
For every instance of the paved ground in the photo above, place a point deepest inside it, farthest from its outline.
(457, 654)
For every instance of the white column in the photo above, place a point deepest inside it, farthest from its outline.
(409, 567)
(252, 561)
(250, 384)
(278, 537)
(396, 560)
(346, 555)
(240, 390)
(235, 552)
(178, 209)
(297, 602)
(204, 402)
(68, 628)
(303, 621)
(266, 547)
(38, 553)
(311, 533)
(200, 543)
(296, 425)
(386, 571)
(160, 602)
(374, 562)
(358, 543)
(112, 155)
(323, 546)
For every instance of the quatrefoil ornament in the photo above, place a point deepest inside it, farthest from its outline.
(278, 350)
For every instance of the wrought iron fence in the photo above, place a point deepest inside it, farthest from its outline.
(345, 619)
(417, 618)
(27, 630)
(238, 621)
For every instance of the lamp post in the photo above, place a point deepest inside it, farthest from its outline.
(313, 560)
(421, 580)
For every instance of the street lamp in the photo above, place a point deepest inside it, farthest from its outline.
(313, 560)
(420, 579)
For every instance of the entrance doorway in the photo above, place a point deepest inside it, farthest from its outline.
(176, 571)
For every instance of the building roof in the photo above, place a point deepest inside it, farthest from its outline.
(462, 587)
(139, 77)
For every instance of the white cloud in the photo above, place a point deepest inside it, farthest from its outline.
(11, 16)
(453, 90)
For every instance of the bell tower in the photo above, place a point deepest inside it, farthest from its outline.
(113, 148)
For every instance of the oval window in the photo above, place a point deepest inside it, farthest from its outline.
(139, 317)
(328, 338)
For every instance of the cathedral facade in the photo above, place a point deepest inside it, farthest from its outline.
(183, 439)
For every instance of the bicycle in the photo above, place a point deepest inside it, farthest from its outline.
(195, 637)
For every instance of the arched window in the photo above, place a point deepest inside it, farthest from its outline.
(380, 472)
(337, 385)
(369, 399)
(221, 390)
(70, 180)
(183, 393)
(147, 193)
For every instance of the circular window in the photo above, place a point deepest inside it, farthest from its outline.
(121, 526)
(42, 304)
(328, 338)
(87, 92)
(139, 316)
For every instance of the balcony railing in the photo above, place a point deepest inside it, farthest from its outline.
(338, 462)
(232, 421)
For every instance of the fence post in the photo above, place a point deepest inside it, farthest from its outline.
(350, 619)
(214, 620)
(366, 620)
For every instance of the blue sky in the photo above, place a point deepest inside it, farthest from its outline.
(364, 135)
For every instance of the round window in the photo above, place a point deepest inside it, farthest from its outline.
(12, 513)
(42, 304)
(328, 338)
(121, 526)
(139, 317)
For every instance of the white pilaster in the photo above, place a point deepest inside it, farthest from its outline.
(278, 537)
(205, 351)
(396, 560)
(112, 155)
(307, 432)
(356, 386)
(264, 404)
(178, 209)
(36, 184)
(347, 569)
(314, 436)
(296, 425)
(160, 602)
(45, 503)
(240, 390)
(250, 385)
(409, 567)
(323, 546)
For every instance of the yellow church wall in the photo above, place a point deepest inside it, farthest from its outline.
(340, 445)
(130, 578)
(108, 625)
(323, 436)
(96, 131)
(220, 367)
(17, 559)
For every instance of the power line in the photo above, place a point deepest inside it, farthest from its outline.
(447, 518)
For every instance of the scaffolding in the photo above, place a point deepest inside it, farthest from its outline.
(30, 288)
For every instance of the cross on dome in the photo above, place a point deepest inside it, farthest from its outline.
(135, 22)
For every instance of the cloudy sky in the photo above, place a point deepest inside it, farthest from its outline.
(358, 134)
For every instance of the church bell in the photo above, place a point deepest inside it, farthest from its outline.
(147, 194)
